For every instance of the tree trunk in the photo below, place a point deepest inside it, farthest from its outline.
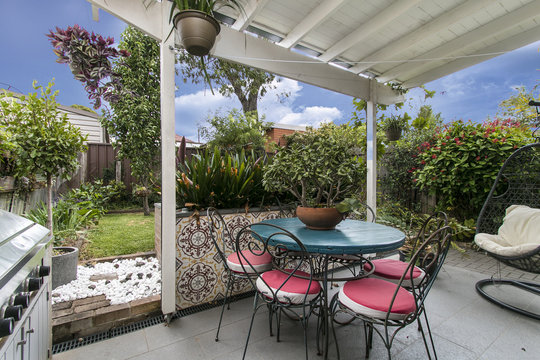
(146, 208)
(49, 203)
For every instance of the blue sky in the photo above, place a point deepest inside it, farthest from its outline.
(472, 93)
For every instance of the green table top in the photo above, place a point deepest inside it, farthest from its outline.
(349, 236)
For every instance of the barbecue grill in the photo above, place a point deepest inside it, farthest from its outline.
(24, 289)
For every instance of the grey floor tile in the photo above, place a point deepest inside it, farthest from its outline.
(188, 349)
(445, 350)
(118, 348)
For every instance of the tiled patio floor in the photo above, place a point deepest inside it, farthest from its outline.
(465, 326)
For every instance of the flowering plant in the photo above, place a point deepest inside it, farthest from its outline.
(463, 159)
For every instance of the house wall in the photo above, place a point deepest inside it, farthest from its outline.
(86, 121)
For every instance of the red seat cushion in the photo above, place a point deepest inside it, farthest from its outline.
(260, 261)
(392, 270)
(294, 289)
(372, 297)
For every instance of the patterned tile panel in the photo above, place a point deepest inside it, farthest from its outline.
(200, 276)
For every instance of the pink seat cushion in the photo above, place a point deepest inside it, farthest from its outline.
(372, 297)
(392, 270)
(293, 290)
(260, 262)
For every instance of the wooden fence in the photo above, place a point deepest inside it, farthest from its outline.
(21, 202)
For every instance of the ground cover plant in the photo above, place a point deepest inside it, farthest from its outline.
(120, 234)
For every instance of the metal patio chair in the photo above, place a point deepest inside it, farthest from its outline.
(290, 287)
(230, 256)
(393, 306)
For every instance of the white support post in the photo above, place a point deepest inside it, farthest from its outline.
(168, 172)
(371, 134)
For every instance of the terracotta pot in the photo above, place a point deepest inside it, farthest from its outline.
(319, 218)
(393, 134)
(197, 30)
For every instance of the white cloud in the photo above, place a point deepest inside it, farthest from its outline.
(194, 108)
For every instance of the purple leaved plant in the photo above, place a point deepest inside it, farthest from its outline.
(90, 59)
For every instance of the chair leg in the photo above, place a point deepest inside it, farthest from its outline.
(230, 284)
(430, 337)
(368, 335)
(255, 307)
(270, 317)
(278, 319)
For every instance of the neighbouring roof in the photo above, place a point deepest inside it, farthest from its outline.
(289, 127)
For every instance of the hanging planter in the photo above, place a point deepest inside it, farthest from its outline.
(393, 134)
(197, 31)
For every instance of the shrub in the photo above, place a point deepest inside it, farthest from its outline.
(223, 181)
(67, 219)
(319, 167)
(96, 195)
(462, 160)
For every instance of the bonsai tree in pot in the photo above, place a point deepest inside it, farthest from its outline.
(320, 168)
(394, 125)
(195, 22)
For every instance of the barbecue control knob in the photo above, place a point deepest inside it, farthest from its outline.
(13, 311)
(6, 327)
(43, 270)
(21, 299)
(33, 284)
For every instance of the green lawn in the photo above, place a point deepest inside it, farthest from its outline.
(121, 234)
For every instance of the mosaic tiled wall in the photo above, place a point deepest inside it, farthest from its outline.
(200, 276)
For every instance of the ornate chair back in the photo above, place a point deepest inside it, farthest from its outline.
(289, 257)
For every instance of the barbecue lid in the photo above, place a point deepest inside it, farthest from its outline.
(19, 238)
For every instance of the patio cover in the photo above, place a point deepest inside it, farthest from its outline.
(349, 46)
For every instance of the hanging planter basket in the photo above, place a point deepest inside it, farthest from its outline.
(197, 30)
(393, 134)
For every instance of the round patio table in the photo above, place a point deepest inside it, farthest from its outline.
(349, 237)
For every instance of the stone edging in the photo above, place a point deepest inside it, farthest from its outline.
(83, 317)
(118, 257)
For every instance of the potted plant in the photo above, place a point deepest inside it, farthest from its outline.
(7, 160)
(394, 125)
(47, 143)
(195, 22)
(320, 168)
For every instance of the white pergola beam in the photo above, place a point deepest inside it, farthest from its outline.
(371, 150)
(467, 40)
(375, 24)
(251, 9)
(262, 54)
(315, 17)
(393, 50)
(506, 45)
(135, 13)
(168, 168)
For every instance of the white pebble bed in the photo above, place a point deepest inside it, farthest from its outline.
(137, 278)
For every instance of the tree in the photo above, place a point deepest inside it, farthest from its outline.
(135, 120)
(248, 84)
(46, 142)
(236, 131)
(517, 107)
